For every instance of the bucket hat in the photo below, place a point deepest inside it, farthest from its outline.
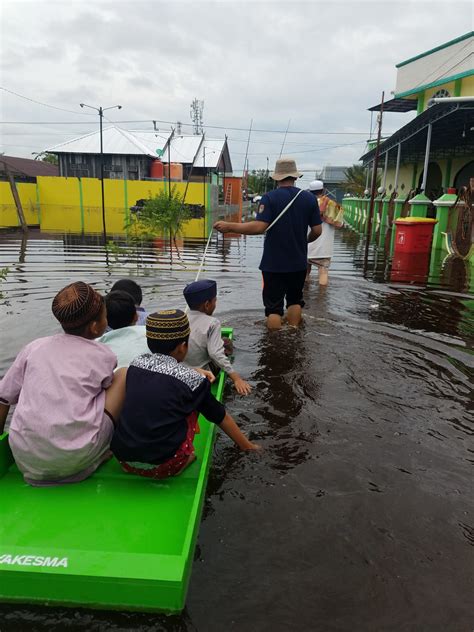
(285, 168)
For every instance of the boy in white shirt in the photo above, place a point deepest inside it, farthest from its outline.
(126, 339)
(205, 342)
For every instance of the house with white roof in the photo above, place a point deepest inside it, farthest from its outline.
(128, 155)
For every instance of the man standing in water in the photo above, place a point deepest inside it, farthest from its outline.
(285, 249)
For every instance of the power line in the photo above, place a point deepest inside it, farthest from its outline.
(149, 121)
(303, 151)
(46, 105)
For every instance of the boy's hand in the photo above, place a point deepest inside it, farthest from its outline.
(207, 374)
(253, 447)
(241, 386)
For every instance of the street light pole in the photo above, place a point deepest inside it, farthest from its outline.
(101, 111)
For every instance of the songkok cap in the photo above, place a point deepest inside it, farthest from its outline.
(76, 305)
(285, 168)
(316, 185)
(199, 292)
(169, 324)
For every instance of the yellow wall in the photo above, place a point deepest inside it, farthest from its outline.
(431, 91)
(405, 175)
(27, 194)
(467, 86)
(62, 209)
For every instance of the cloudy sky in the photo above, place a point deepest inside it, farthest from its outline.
(317, 64)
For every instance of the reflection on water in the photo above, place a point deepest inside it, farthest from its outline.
(359, 513)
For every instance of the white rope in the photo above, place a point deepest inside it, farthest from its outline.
(202, 262)
(204, 255)
(283, 212)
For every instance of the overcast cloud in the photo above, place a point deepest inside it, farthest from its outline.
(320, 64)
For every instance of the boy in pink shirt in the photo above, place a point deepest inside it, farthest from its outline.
(66, 394)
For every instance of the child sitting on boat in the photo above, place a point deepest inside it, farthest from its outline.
(126, 339)
(163, 400)
(206, 345)
(131, 287)
(66, 394)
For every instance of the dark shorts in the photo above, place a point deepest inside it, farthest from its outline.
(278, 286)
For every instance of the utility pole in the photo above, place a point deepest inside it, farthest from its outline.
(101, 111)
(246, 160)
(284, 138)
(374, 188)
(169, 162)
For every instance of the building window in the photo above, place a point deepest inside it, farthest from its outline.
(440, 94)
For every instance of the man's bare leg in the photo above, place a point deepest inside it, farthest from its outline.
(274, 322)
(323, 276)
(115, 394)
(308, 272)
(293, 315)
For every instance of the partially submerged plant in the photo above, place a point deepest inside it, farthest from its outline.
(3, 275)
(163, 214)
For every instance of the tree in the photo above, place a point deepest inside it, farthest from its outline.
(52, 159)
(259, 181)
(356, 178)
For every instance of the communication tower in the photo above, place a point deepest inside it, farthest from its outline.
(197, 109)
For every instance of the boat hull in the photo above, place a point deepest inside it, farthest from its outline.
(114, 541)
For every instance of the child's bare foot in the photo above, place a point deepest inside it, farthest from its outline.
(191, 459)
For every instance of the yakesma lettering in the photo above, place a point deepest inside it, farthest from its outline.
(34, 560)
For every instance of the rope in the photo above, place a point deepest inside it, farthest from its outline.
(204, 255)
(202, 262)
(283, 212)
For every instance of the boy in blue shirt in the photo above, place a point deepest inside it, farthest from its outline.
(163, 399)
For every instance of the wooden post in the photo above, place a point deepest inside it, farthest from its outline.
(16, 197)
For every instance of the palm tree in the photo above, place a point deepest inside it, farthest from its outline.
(356, 178)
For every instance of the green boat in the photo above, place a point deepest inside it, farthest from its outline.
(113, 541)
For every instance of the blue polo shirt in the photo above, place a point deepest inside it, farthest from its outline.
(285, 248)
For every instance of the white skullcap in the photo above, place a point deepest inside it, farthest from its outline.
(316, 185)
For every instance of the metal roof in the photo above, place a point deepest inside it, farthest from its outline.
(184, 149)
(28, 167)
(116, 141)
(332, 174)
(396, 105)
(452, 133)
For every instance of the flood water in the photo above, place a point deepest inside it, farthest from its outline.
(358, 516)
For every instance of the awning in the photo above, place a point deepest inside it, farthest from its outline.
(396, 105)
(453, 133)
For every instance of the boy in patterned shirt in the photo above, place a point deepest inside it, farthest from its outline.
(163, 400)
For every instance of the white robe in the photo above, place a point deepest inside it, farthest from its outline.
(323, 247)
